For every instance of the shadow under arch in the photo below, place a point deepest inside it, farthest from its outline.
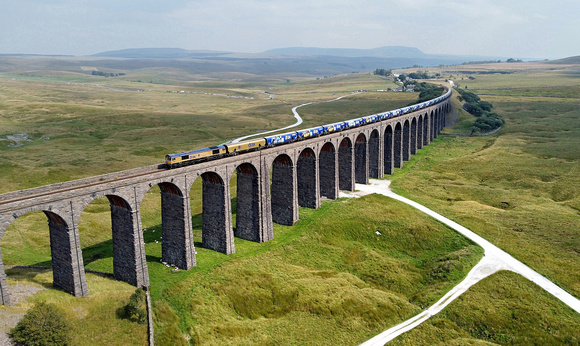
(426, 129)
(283, 191)
(420, 131)
(327, 165)
(345, 165)
(398, 146)
(406, 141)
(361, 160)
(216, 232)
(388, 150)
(247, 203)
(374, 153)
(306, 173)
(414, 136)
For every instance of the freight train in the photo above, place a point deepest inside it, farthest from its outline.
(228, 149)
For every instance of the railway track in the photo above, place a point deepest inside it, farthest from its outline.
(59, 188)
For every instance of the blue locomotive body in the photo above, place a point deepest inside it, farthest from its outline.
(281, 139)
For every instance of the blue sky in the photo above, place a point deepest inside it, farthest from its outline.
(510, 28)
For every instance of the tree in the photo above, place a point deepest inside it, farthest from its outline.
(382, 72)
(419, 75)
(468, 96)
(427, 91)
(136, 309)
(44, 324)
(488, 122)
(473, 109)
(486, 106)
(402, 77)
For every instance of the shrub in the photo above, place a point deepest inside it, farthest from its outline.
(468, 96)
(427, 92)
(44, 324)
(488, 122)
(136, 309)
(486, 106)
(473, 109)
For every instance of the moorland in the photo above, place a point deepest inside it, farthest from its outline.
(324, 280)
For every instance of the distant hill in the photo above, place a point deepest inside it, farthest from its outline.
(381, 52)
(178, 53)
(304, 60)
(158, 53)
(295, 61)
(570, 60)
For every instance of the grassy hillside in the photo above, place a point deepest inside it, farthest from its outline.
(330, 278)
(324, 280)
(517, 188)
(89, 127)
(503, 309)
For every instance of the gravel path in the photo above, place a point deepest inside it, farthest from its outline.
(9, 317)
(494, 259)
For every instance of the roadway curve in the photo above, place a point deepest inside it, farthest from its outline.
(494, 259)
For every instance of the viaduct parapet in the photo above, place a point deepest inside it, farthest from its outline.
(301, 174)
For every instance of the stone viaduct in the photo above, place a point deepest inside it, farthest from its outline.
(302, 173)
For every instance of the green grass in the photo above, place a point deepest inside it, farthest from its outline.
(97, 319)
(314, 275)
(503, 309)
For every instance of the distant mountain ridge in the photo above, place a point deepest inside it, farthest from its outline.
(179, 53)
(295, 61)
(381, 52)
(304, 60)
(158, 53)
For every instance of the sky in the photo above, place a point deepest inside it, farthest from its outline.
(539, 29)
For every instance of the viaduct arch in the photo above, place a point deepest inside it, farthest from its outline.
(271, 184)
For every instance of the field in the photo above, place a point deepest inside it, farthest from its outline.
(324, 280)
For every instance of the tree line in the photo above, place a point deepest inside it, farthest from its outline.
(382, 72)
(486, 119)
(427, 91)
(107, 74)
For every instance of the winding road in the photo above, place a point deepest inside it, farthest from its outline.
(296, 115)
